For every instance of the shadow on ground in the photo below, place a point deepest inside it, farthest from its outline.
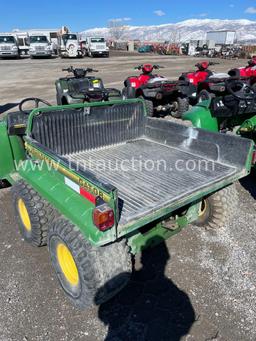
(151, 307)
(249, 183)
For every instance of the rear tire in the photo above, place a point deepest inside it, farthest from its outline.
(89, 275)
(217, 209)
(128, 93)
(149, 107)
(254, 87)
(33, 213)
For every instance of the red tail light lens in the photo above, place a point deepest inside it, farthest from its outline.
(103, 217)
(254, 158)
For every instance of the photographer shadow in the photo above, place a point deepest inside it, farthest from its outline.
(151, 307)
(249, 183)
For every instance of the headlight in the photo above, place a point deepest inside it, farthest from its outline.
(48, 48)
(15, 48)
(93, 48)
(32, 48)
(107, 48)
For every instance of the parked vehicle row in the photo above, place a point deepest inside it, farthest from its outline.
(43, 44)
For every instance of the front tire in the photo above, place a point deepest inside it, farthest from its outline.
(33, 213)
(89, 275)
(217, 209)
(182, 107)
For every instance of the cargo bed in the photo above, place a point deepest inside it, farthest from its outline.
(141, 190)
(121, 133)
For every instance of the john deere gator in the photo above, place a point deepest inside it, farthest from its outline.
(95, 217)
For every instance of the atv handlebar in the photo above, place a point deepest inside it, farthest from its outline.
(209, 64)
(156, 67)
(213, 63)
(72, 70)
(79, 72)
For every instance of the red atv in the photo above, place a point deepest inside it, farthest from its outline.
(204, 84)
(248, 72)
(160, 94)
(190, 81)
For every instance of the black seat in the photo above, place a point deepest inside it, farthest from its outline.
(78, 86)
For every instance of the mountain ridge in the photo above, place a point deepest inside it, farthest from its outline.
(186, 30)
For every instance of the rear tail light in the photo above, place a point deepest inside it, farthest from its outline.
(103, 217)
(254, 158)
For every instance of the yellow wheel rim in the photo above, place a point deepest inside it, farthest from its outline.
(203, 208)
(67, 264)
(24, 216)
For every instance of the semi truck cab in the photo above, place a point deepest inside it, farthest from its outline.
(40, 46)
(8, 45)
(96, 46)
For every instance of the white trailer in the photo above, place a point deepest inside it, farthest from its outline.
(23, 43)
(222, 37)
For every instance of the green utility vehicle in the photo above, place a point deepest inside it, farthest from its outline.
(99, 182)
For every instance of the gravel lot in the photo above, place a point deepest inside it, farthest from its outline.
(200, 285)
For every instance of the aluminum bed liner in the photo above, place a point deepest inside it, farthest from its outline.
(142, 190)
(110, 133)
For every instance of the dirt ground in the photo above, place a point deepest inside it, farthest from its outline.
(200, 285)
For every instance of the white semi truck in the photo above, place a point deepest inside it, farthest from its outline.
(42, 45)
(96, 46)
(69, 46)
(9, 46)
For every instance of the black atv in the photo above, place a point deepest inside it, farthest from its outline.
(82, 88)
(238, 103)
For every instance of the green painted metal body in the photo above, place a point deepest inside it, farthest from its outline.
(200, 116)
(156, 234)
(12, 153)
(46, 174)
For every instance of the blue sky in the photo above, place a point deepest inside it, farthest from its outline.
(83, 14)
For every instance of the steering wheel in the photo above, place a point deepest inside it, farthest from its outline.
(240, 90)
(35, 100)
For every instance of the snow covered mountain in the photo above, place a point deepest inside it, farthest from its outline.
(185, 30)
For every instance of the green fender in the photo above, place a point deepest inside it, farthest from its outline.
(6, 160)
(200, 116)
(12, 152)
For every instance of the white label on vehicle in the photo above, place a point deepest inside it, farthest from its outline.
(72, 185)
